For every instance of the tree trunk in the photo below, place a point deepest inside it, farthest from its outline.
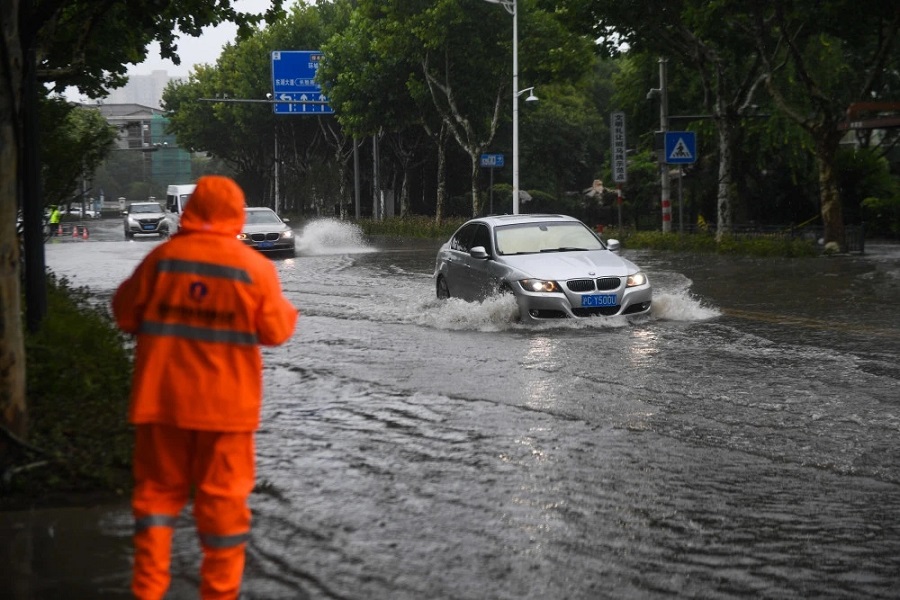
(725, 195)
(13, 407)
(441, 175)
(829, 194)
(477, 200)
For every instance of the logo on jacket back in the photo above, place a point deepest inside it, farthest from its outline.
(198, 291)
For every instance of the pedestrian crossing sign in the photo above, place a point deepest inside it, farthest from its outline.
(681, 147)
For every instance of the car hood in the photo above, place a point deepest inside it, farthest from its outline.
(571, 265)
(146, 215)
(264, 227)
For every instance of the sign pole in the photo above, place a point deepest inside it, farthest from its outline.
(492, 192)
(619, 204)
(619, 157)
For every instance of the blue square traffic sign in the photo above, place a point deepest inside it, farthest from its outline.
(681, 147)
(294, 83)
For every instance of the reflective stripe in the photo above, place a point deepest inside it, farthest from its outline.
(154, 521)
(173, 265)
(223, 541)
(202, 334)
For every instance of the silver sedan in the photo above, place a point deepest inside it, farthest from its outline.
(555, 265)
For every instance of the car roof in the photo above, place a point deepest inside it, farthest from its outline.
(143, 203)
(497, 220)
(258, 208)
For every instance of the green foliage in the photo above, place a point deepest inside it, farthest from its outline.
(864, 178)
(90, 44)
(78, 381)
(882, 216)
(414, 227)
(74, 142)
(757, 245)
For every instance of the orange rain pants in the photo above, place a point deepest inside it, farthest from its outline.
(220, 466)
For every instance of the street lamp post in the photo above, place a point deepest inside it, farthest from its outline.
(510, 6)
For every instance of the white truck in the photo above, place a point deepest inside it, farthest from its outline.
(177, 197)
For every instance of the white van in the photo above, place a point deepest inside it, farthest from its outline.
(176, 198)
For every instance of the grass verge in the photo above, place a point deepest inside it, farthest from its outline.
(78, 378)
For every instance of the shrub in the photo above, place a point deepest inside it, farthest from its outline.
(78, 379)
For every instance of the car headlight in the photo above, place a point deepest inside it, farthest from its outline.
(286, 235)
(539, 285)
(242, 236)
(636, 279)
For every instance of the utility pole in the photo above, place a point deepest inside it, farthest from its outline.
(665, 187)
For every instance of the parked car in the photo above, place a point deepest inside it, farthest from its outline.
(555, 266)
(267, 232)
(145, 218)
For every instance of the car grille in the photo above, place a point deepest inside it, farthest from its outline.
(580, 285)
(608, 283)
(153, 221)
(589, 285)
(265, 237)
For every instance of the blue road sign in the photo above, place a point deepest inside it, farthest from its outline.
(492, 161)
(681, 147)
(294, 83)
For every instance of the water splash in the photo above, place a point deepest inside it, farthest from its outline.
(681, 306)
(331, 236)
(496, 313)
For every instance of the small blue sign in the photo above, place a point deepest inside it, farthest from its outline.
(681, 147)
(294, 83)
(492, 161)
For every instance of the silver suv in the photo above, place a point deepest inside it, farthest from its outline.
(145, 218)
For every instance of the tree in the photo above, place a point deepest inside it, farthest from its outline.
(817, 61)
(83, 43)
(75, 141)
(444, 66)
(704, 36)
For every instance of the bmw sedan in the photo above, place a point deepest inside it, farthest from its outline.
(267, 232)
(554, 265)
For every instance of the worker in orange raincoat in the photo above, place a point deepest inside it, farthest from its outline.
(200, 305)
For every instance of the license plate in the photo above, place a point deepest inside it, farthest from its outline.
(265, 244)
(151, 227)
(596, 300)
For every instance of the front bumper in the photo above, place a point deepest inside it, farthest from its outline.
(147, 227)
(271, 247)
(536, 306)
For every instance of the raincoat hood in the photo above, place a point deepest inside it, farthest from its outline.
(216, 206)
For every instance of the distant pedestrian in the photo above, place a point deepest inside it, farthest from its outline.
(200, 305)
(54, 220)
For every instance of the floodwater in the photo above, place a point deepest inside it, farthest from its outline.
(742, 441)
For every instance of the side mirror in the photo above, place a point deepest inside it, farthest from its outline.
(613, 245)
(478, 252)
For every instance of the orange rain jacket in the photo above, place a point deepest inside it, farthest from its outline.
(200, 305)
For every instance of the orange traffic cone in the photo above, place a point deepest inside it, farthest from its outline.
(74, 230)
(84, 233)
(59, 231)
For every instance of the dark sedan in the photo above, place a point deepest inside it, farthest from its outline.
(267, 232)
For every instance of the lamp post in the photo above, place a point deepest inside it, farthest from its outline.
(510, 6)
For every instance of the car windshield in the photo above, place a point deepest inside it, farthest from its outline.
(529, 238)
(261, 217)
(146, 208)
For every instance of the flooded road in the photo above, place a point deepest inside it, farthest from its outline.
(742, 441)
